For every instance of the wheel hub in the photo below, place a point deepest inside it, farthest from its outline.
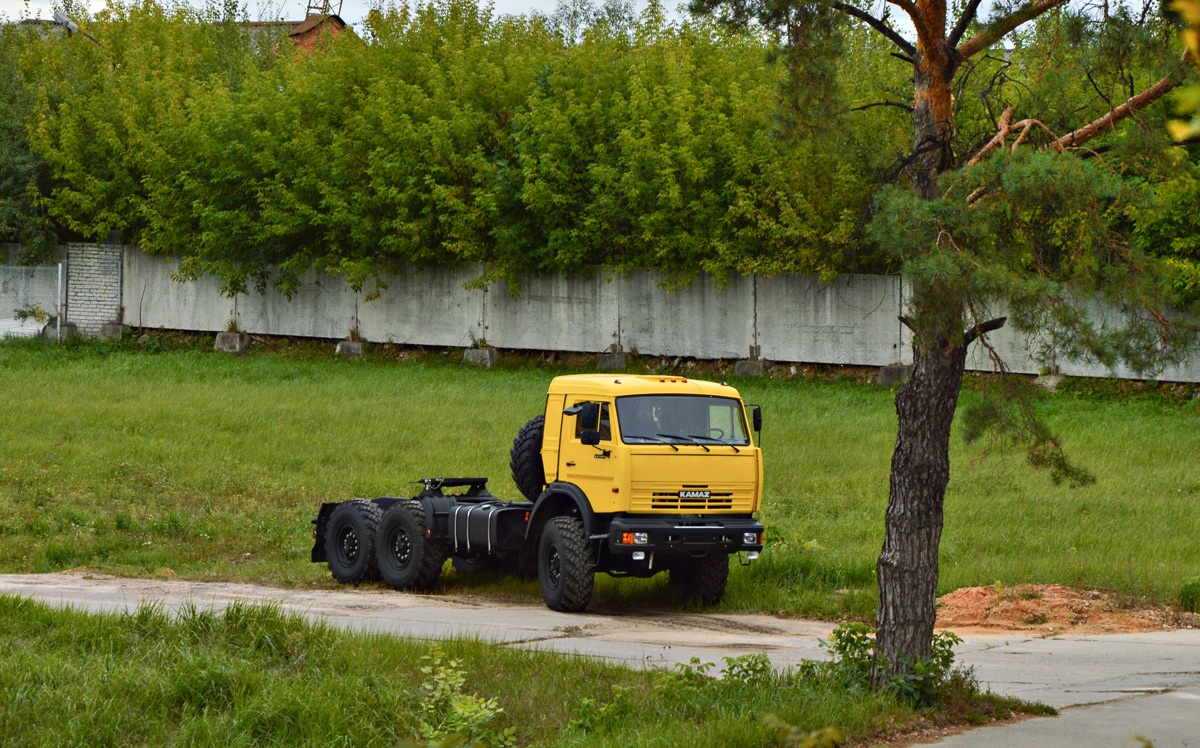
(402, 548)
(553, 566)
(348, 543)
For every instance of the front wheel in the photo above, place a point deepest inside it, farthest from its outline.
(702, 578)
(408, 557)
(350, 541)
(564, 569)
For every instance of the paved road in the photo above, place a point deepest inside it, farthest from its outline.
(1128, 671)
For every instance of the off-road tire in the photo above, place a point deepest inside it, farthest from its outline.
(408, 558)
(350, 541)
(526, 459)
(564, 565)
(701, 579)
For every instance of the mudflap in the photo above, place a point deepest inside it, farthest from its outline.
(322, 520)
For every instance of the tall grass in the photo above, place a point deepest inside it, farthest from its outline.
(253, 676)
(208, 466)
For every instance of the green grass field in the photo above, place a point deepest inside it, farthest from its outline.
(207, 466)
(252, 676)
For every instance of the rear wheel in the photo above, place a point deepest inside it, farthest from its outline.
(408, 557)
(564, 569)
(350, 541)
(702, 578)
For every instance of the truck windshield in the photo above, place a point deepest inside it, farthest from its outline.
(681, 419)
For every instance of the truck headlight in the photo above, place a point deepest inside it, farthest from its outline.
(641, 538)
(750, 538)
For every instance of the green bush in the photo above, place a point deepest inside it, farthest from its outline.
(925, 684)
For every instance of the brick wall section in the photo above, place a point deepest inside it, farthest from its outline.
(93, 285)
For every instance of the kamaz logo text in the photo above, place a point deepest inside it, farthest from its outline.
(694, 494)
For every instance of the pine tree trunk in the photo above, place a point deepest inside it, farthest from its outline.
(908, 565)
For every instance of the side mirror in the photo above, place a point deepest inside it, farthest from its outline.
(590, 438)
(756, 417)
(589, 417)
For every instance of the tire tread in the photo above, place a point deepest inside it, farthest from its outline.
(525, 460)
(578, 578)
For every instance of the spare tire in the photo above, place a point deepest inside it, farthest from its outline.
(526, 459)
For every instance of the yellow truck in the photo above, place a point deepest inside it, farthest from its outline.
(627, 475)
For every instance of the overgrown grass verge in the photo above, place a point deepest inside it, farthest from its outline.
(252, 676)
(168, 458)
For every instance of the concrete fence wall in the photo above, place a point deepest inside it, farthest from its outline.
(852, 320)
(791, 318)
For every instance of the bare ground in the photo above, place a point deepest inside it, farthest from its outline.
(1051, 610)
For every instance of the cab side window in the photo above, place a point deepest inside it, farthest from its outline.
(605, 425)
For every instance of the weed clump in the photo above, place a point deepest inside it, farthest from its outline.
(853, 649)
(1189, 596)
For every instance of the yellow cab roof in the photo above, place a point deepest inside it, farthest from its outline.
(615, 385)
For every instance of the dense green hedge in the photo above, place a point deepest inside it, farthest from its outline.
(444, 133)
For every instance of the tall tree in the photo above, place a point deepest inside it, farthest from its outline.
(1022, 224)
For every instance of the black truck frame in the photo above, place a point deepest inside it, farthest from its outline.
(406, 541)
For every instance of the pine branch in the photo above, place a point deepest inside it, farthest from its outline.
(1131, 106)
(997, 29)
(981, 329)
(924, 37)
(897, 104)
(964, 21)
(879, 26)
(997, 140)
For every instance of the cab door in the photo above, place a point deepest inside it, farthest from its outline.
(589, 467)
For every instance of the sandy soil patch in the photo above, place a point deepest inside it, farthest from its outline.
(1050, 610)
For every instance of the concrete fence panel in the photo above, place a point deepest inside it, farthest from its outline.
(423, 306)
(563, 313)
(322, 307)
(153, 299)
(25, 287)
(699, 320)
(853, 320)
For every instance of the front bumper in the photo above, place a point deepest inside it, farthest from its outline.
(682, 535)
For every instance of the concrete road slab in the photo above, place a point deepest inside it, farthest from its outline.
(1066, 671)
(1168, 720)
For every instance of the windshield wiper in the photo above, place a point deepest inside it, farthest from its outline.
(681, 437)
(714, 439)
(654, 440)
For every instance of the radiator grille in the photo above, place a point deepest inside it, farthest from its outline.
(661, 497)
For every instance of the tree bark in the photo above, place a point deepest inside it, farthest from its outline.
(908, 565)
(933, 108)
